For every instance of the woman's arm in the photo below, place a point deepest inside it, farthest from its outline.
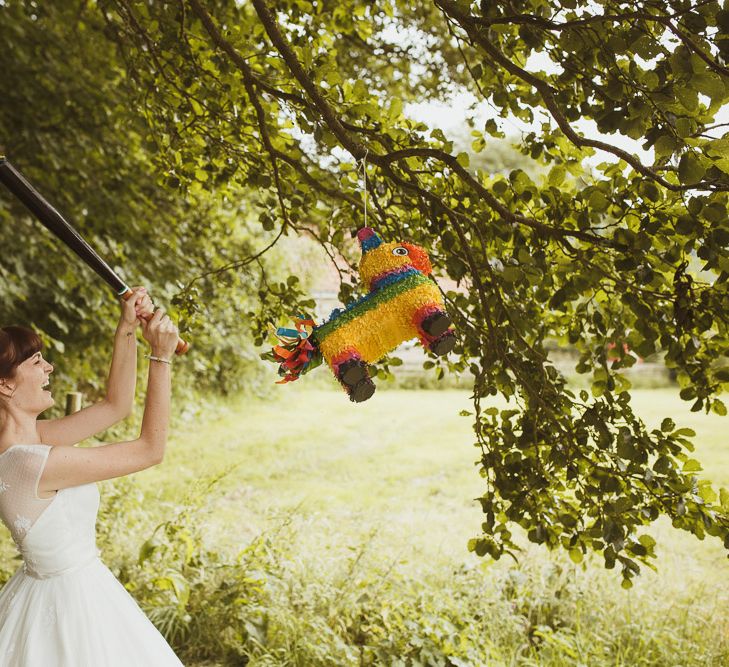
(156, 419)
(71, 466)
(122, 380)
(120, 385)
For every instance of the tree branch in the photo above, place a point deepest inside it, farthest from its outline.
(248, 82)
(476, 34)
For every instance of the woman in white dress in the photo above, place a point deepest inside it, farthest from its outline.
(64, 607)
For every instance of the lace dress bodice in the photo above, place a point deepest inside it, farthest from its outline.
(21, 467)
(55, 534)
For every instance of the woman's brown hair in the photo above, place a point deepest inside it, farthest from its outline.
(16, 345)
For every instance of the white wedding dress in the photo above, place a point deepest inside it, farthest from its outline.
(64, 607)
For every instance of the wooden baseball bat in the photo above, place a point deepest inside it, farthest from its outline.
(57, 224)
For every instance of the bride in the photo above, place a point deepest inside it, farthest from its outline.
(64, 607)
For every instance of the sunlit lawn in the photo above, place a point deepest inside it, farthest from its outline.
(399, 470)
(403, 462)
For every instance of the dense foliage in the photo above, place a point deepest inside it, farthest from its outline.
(286, 98)
(68, 123)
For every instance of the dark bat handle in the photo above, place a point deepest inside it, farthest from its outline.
(55, 222)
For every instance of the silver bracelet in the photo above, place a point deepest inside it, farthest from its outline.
(166, 361)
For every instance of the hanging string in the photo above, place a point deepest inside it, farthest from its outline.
(363, 165)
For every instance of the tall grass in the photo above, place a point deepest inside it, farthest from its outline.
(290, 597)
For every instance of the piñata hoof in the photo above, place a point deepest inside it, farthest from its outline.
(362, 390)
(351, 372)
(436, 323)
(443, 345)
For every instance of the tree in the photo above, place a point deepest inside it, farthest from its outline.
(289, 98)
(66, 121)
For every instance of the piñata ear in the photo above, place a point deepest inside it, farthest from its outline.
(368, 239)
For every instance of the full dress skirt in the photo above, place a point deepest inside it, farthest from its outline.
(64, 607)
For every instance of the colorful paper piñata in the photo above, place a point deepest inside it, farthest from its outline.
(403, 302)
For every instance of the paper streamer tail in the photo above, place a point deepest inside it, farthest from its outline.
(297, 353)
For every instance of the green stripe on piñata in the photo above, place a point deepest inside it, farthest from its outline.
(368, 302)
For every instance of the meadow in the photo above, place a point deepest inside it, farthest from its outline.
(301, 529)
(377, 499)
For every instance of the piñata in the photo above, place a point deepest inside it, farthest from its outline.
(402, 302)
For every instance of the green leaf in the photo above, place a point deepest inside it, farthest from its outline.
(668, 425)
(647, 541)
(557, 175)
(688, 98)
(511, 274)
(360, 91)
(576, 555)
(665, 146)
(689, 169)
(692, 465)
(147, 549)
(708, 495)
(598, 201)
(709, 84)
(722, 374)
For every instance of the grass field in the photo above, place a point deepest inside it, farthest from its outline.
(393, 481)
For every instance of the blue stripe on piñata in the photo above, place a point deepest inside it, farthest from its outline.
(293, 333)
(393, 277)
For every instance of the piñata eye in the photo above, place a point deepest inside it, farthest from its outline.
(399, 251)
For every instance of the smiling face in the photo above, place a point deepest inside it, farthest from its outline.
(24, 373)
(29, 388)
